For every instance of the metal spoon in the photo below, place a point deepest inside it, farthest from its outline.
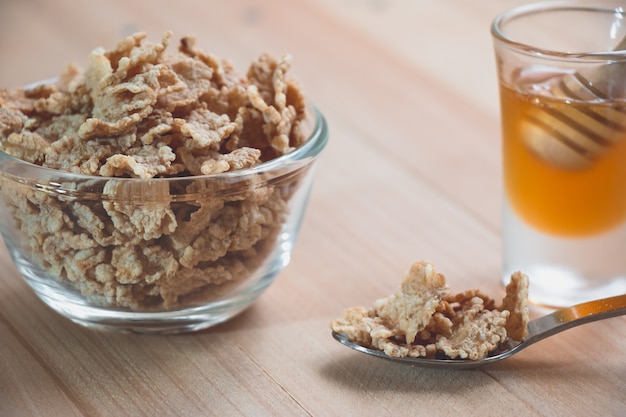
(538, 329)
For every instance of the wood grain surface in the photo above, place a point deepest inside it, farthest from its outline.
(411, 172)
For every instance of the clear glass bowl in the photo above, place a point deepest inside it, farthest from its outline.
(161, 255)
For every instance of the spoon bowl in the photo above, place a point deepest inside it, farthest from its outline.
(538, 329)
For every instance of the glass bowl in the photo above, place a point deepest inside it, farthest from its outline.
(161, 255)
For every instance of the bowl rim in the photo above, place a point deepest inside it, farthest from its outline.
(499, 35)
(310, 149)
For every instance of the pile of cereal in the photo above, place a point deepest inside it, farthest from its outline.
(139, 112)
(423, 319)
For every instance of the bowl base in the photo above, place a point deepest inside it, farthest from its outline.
(167, 322)
(74, 307)
(185, 323)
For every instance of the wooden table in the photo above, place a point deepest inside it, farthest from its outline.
(412, 172)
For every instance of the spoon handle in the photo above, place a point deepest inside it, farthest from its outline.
(569, 317)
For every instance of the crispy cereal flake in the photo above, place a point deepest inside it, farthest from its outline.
(412, 306)
(516, 302)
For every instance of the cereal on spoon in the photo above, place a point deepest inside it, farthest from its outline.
(424, 319)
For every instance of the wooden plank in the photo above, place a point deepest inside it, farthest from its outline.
(411, 172)
(27, 385)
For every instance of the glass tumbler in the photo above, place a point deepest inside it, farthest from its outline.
(562, 79)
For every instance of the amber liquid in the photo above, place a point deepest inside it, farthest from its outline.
(552, 199)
